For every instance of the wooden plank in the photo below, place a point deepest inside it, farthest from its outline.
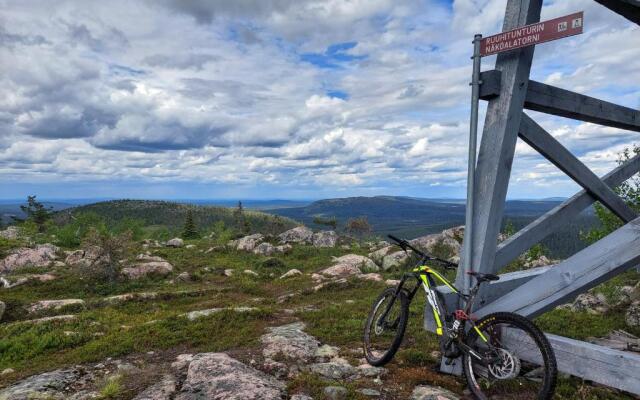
(490, 84)
(498, 143)
(630, 9)
(552, 150)
(615, 368)
(565, 103)
(589, 267)
(533, 233)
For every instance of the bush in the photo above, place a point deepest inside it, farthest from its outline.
(272, 263)
(73, 233)
(113, 248)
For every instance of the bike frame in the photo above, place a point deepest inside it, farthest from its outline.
(424, 276)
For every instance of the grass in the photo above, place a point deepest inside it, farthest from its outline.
(334, 315)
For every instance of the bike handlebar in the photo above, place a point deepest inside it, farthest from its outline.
(404, 245)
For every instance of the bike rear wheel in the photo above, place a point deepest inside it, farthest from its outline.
(382, 337)
(524, 367)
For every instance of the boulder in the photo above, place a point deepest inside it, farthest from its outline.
(264, 249)
(175, 242)
(141, 270)
(23, 279)
(371, 277)
(291, 273)
(50, 385)
(324, 239)
(10, 233)
(162, 390)
(591, 303)
(430, 243)
(335, 393)
(289, 342)
(45, 305)
(248, 243)
(362, 262)
(632, 316)
(341, 270)
(300, 234)
(379, 254)
(424, 392)
(219, 376)
(85, 258)
(40, 256)
(183, 277)
(394, 260)
(338, 368)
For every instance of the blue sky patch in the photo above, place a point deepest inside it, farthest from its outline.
(333, 56)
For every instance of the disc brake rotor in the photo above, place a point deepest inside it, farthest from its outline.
(508, 367)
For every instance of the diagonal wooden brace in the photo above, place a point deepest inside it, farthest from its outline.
(552, 150)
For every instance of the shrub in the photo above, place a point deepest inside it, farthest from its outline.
(114, 248)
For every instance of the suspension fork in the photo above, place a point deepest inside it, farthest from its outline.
(406, 276)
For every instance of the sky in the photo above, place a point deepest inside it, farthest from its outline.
(263, 99)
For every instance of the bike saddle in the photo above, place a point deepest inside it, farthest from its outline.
(483, 277)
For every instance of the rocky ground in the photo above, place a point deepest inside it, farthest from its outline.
(255, 318)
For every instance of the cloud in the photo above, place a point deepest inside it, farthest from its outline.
(315, 97)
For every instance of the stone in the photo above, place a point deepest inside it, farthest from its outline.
(43, 255)
(56, 318)
(362, 262)
(7, 371)
(183, 277)
(142, 270)
(193, 315)
(324, 239)
(49, 385)
(228, 272)
(181, 363)
(591, 303)
(190, 246)
(392, 282)
(424, 392)
(379, 254)
(626, 295)
(162, 390)
(283, 249)
(250, 272)
(300, 234)
(369, 392)
(341, 270)
(338, 368)
(175, 242)
(122, 298)
(289, 342)
(326, 351)
(375, 277)
(370, 371)
(301, 397)
(264, 249)
(149, 258)
(219, 376)
(394, 260)
(335, 392)
(632, 316)
(275, 368)
(337, 283)
(44, 305)
(248, 243)
(11, 233)
(21, 280)
(291, 273)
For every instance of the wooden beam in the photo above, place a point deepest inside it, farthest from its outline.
(565, 103)
(490, 86)
(552, 150)
(615, 368)
(560, 215)
(591, 266)
(499, 137)
(630, 9)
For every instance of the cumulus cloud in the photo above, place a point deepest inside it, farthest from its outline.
(304, 97)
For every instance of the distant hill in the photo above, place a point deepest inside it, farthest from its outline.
(411, 217)
(172, 215)
(10, 209)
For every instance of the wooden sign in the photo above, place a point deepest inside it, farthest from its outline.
(530, 35)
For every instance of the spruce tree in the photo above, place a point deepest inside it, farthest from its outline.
(190, 231)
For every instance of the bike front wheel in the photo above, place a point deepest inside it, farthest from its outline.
(522, 365)
(383, 333)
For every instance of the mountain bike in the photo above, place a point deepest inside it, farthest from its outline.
(505, 355)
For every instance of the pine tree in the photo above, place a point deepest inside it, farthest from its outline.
(37, 212)
(190, 231)
(242, 225)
